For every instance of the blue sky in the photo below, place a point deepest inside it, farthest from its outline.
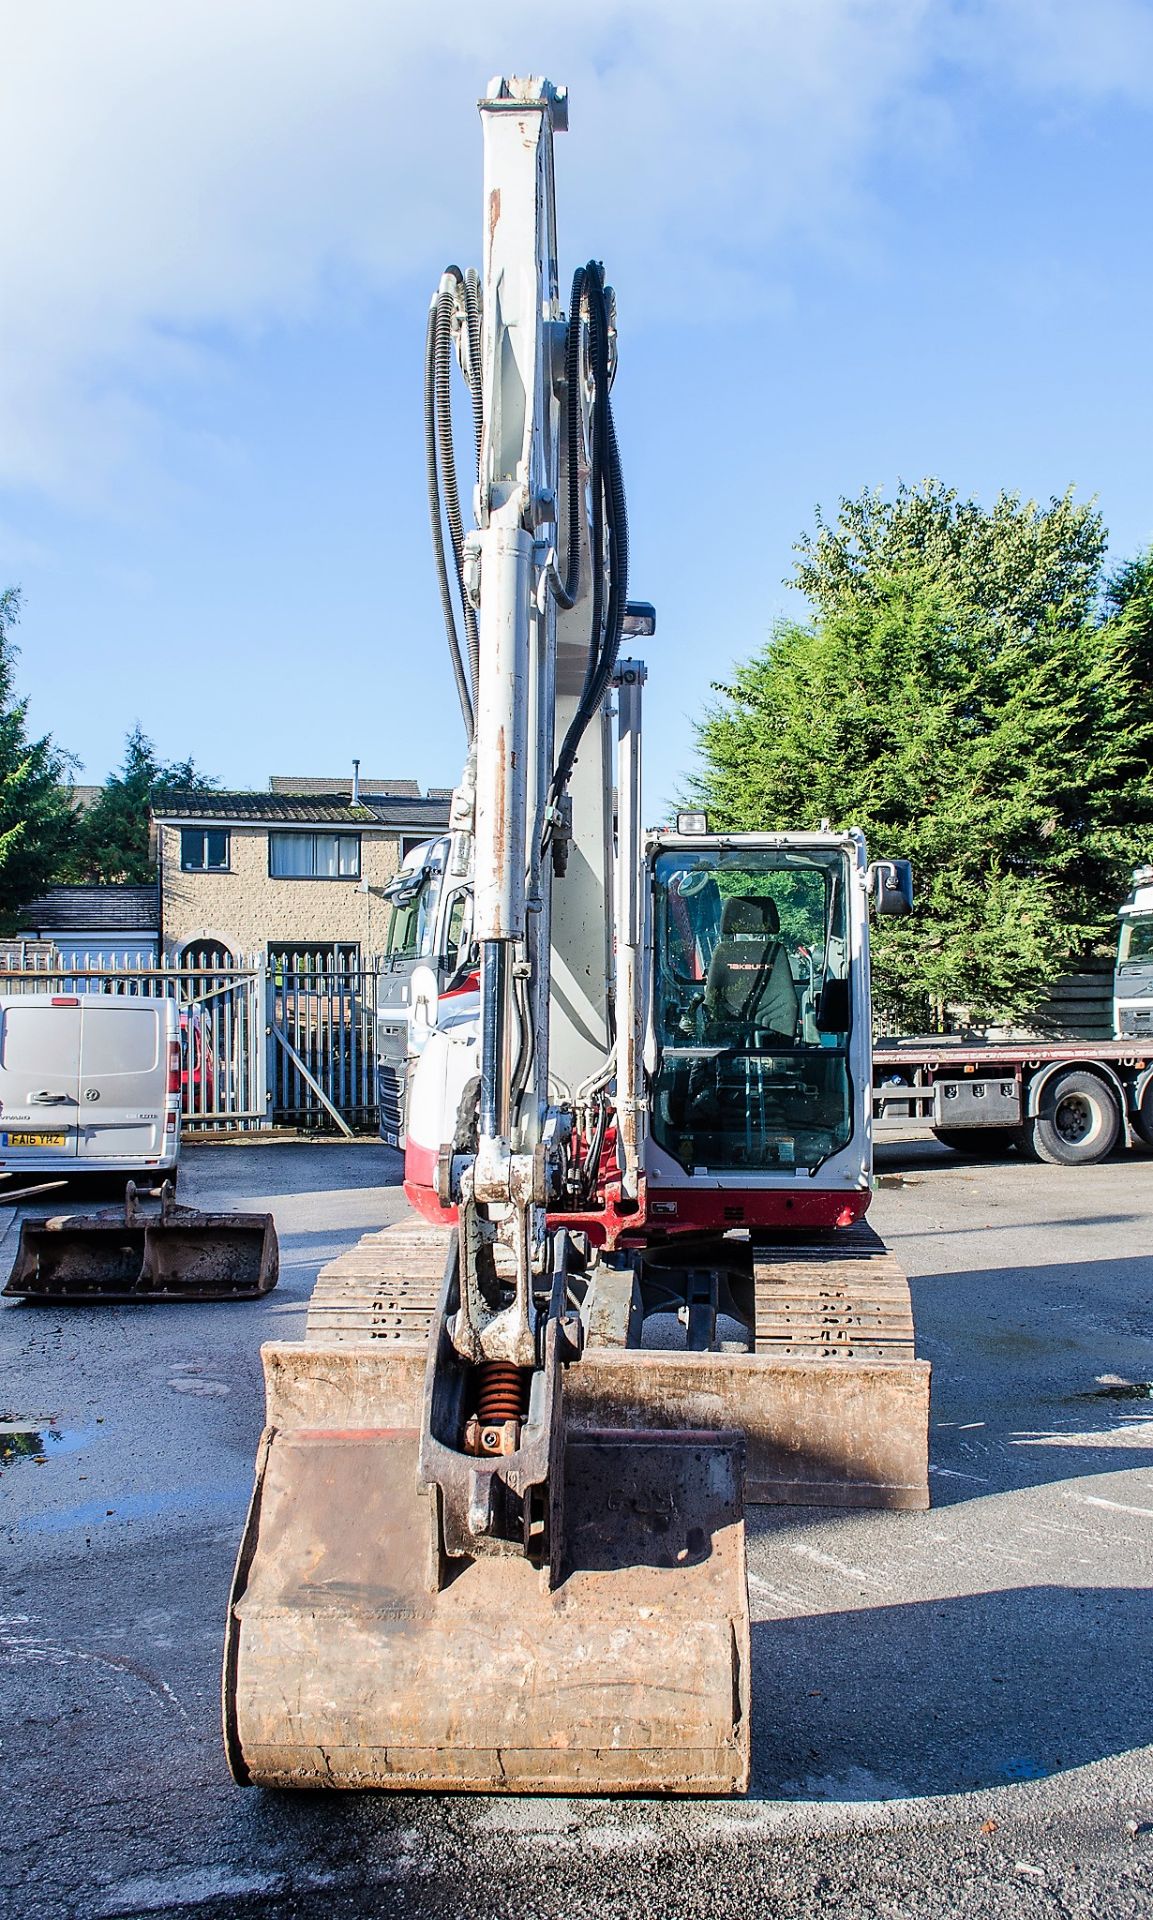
(853, 241)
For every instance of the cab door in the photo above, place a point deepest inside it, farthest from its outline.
(123, 1077)
(39, 1081)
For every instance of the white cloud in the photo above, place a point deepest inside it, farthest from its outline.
(208, 168)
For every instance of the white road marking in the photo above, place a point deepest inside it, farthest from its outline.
(841, 1566)
(1116, 1506)
(1134, 1433)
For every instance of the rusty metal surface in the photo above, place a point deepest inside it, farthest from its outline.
(347, 1665)
(834, 1404)
(849, 1435)
(173, 1254)
(815, 1435)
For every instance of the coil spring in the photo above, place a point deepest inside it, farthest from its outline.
(500, 1394)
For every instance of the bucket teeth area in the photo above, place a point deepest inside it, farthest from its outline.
(348, 1665)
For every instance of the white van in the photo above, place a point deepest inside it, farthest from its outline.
(89, 1082)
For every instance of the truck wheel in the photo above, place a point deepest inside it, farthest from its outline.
(1079, 1122)
(980, 1143)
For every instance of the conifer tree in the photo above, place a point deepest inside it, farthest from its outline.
(963, 696)
(112, 843)
(36, 819)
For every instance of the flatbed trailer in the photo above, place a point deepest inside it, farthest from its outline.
(1070, 1102)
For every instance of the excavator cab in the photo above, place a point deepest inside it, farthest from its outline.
(753, 1005)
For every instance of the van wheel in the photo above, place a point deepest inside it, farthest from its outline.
(1079, 1122)
(979, 1143)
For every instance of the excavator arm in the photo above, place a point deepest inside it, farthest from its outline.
(441, 1584)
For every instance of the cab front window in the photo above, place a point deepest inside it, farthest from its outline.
(411, 922)
(1136, 941)
(753, 1008)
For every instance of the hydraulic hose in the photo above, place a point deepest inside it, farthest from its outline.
(475, 374)
(445, 302)
(608, 513)
(566, 591)
(463, 687)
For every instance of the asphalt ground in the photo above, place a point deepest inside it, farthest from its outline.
(953, 1710)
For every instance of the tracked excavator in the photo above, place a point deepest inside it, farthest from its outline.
(497, 1536)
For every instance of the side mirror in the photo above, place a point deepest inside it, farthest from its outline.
(834, 1009)
(425, 1002)
(891, 885)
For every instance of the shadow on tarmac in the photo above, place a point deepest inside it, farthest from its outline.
(947, 1696)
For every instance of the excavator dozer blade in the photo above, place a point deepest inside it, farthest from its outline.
(178, 1254)
(351, 1661)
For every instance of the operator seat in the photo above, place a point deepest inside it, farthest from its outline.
(750, 989)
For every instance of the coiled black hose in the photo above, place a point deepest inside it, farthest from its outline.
(472, 310)
(432, 472)
(609, 513)
(444, 311)
(566, 591)
(440, 462)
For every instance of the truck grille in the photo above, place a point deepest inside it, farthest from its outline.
(1134, 1020)
(390, 1101)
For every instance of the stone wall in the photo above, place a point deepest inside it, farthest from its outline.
(247, 909)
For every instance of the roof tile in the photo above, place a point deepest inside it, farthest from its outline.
(402, 813)
(108, 909)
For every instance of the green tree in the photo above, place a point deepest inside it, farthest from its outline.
(1128, 599)
(1019, 563)
(35, 813)
(112, 839)
(959, 698)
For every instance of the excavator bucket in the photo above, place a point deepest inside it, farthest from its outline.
(128, 1253)
(353, 1659)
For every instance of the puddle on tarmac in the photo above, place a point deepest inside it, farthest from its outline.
(38, 1441)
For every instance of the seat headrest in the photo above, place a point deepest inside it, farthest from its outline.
(757, 915)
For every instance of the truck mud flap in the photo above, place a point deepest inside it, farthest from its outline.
(128, 1254)
(352, 1660)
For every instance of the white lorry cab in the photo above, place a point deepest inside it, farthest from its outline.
(426, 959)
(89, 1083)
(1133, 977)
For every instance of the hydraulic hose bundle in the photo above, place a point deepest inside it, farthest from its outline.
(455, 306)
(609, 513)
(455, 314)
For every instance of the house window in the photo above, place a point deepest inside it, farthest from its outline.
(204, 849)
(409, 843)
(314, 856)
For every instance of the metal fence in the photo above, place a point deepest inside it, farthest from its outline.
(283, 1043)
(323, 1029)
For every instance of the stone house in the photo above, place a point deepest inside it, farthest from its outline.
(297, 870)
